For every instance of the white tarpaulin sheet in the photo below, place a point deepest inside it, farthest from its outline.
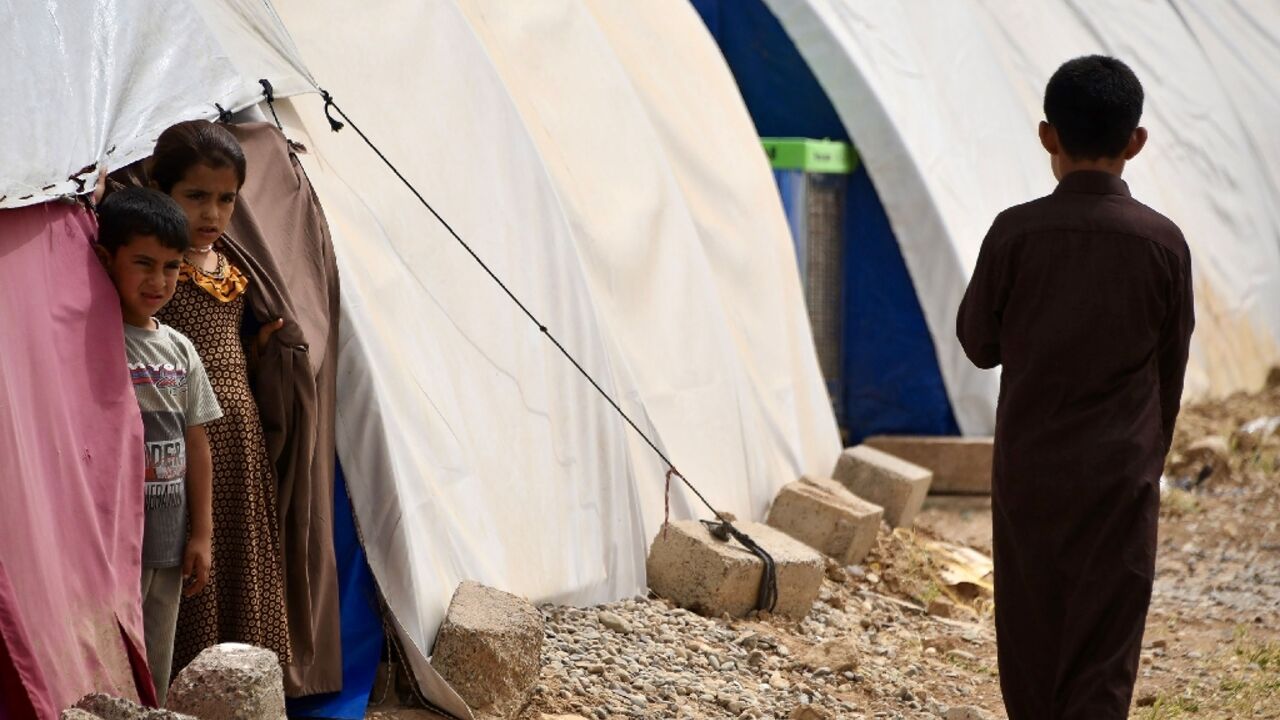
(710, 145)
(89, 83)
(942, 101)
(472, 449)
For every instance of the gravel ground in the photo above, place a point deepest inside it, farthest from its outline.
(859, 654)
(892, 639)
(1213, 634)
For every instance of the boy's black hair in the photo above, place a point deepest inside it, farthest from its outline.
(134, 211)
(194, 142)
(1095, 103)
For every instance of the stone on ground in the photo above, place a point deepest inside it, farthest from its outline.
(967, 712)
(888, 481)
(836, 572)
(809, 712)
(99, 706)
(1214, 449)
(824, 515)
(941, 607)
(837, 655)
(230, 681)
(697, 571)
(960, 465)
(614, 622)
(489, 647)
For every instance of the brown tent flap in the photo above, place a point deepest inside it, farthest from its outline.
(280, 238)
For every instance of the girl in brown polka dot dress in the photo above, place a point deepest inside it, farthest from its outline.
(200, 164)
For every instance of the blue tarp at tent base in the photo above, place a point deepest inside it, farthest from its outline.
(889, 379)
(362, 636)
(893, 384)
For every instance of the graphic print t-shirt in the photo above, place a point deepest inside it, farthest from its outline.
(173, 394)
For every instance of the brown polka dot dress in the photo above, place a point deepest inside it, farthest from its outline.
(244, 601)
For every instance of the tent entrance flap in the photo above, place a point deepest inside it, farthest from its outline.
(888, 377)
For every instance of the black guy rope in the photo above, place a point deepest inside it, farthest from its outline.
(767, 594)
(721, 528)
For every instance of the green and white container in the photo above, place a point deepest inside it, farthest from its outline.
(812, 177)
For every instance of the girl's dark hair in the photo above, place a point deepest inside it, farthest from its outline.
(194, 142)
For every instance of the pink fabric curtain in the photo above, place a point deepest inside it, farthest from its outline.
(71, 469)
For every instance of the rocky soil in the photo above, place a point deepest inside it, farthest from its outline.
(1213, 634)
(908, 634)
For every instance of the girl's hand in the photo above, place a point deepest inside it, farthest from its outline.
(265, 333)
(100, 189)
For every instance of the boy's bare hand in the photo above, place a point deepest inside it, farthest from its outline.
(198, 557)
(195, 565)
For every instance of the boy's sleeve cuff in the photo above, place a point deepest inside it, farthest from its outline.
(204, 419)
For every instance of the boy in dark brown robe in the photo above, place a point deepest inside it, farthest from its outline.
(1084, 297)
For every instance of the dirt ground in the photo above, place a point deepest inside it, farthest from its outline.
(909, 633)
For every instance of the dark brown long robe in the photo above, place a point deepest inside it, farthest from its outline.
(1085, 298)
(279, 235)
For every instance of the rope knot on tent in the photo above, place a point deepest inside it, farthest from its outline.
(269, 93)
(334, 123)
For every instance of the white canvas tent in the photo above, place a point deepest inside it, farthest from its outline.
(942, 102)
(619, 192)
(666, 271)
